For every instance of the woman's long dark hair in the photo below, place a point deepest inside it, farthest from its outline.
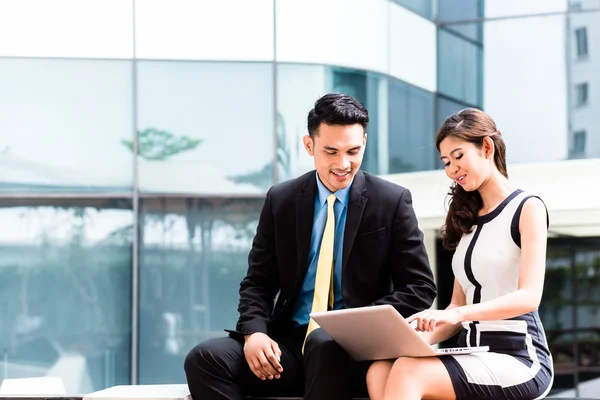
(471, 125)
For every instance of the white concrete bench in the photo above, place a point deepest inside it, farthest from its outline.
(142, 392)
(45, 389)
(174, 392)
(157, 392)
(44, 385)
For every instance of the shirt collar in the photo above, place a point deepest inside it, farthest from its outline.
(342, 195)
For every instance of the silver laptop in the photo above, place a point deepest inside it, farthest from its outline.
(379, 333)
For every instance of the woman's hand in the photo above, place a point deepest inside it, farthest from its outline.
(428, 320)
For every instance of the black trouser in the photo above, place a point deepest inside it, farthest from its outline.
(217, 369)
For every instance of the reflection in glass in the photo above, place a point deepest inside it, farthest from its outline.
(65, 284)
(412, 134)
(587, 300)
(569, 311)
(454, 16)
(62, 125)
(556, 313)
(193, 255)
(459, 68)
(299, 86)
(197, 121)
(570, 315)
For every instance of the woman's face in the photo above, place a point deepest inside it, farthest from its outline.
(465, 163)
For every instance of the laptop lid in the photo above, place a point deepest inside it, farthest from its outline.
(373, 333)
(376, 333)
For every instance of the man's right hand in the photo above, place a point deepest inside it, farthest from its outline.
(263, 356)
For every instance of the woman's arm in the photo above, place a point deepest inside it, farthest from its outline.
(532, 267)
(447, 331)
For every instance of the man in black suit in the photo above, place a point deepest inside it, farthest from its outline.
(376, 256)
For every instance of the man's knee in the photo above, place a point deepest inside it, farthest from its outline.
(210, 356)
(195, 359)
(320, 343)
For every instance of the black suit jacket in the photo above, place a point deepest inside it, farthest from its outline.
(384, 259)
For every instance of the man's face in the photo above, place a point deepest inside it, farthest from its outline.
(338, 152)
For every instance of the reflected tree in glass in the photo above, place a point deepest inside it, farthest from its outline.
(263, 178)
(155, 144)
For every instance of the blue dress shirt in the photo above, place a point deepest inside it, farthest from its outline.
(303, 304)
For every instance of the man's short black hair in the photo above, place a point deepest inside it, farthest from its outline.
(337, 109)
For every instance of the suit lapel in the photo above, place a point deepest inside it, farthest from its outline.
(305, 207)
(356, 206)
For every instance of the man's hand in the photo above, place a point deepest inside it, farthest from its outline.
(263, 356)
(428, 320)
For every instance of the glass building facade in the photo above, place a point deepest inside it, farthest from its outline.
(134, 160)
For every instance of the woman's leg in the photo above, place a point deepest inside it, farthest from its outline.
(419, 378)
(377, 377)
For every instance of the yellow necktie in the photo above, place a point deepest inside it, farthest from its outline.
(324, 278)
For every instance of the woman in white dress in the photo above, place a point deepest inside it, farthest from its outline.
(499, 235)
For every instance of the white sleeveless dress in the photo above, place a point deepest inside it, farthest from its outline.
(486, 264)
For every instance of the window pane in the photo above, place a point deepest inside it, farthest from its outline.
(193, 255)
(421, 7)
(581, 94)
(569, 312)
(579, 144)
(62, 124)
(581, 38)
(197, 121)
(459, 68)
(65, 288)
(411, 142)
(299, 86)
(451, 11)
(587, 269)
(556, 313)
